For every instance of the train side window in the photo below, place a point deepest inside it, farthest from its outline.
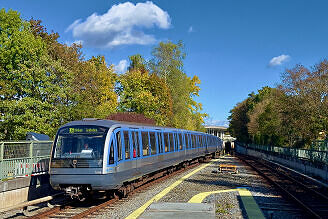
(186, 140)
(111, 152)
(152, 143)
(145, 143)
(193, 141)
(203, 141)
(160, 143)
(136, 148)
(180, 141)
(166, 142)
(127, 145)
(197, 141)
(176, 142)
(171, 142)
(119, 145)
(189, 141)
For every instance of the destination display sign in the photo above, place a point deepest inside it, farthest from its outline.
(83, 129)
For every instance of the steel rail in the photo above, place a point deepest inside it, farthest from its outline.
(310, 211)
(297, 182)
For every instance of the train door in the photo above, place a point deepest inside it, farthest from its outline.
(206, 144)
(109, 162)
(160, 142)
(118, 146)
(111, 156)
(136, 148)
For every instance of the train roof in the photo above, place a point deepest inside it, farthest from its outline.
(110, 123)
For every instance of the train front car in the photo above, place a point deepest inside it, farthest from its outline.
(77, 158)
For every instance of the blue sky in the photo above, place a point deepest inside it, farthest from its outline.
(233, 46)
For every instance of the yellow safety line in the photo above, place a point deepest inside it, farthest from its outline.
(160, 195)
(252, 209)
(201, 196)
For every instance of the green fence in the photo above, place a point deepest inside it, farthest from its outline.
(312, 155)
(24, 158)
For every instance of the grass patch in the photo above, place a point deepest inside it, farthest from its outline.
(223, 208)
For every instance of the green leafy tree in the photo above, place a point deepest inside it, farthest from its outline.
(68, 61)
(146, 94)
(137, 62)
(94, 87)
(265, 122)
(167, 63)
(307, 93)
(238, 121)
(28, 91)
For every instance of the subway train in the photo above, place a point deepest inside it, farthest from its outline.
(93, 154)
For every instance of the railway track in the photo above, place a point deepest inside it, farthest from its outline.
(94, 207)
(304, 192)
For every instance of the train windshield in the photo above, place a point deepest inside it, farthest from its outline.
(80, 142)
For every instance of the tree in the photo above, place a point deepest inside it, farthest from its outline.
(28, 88)
(146, 94)
(307, 92)
(167, 63)
(264, 124)
(89, 85)
(238, 121)
(293, 114)
(257, 118)
(137, 62)
(94, 87)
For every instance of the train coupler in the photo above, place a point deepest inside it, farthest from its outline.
(78, 192)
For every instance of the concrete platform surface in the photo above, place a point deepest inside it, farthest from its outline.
(179, 210)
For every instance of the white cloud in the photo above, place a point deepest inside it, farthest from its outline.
(191, 29)
(123, 24)
(122, 66)
(78, 42)
(279, 60)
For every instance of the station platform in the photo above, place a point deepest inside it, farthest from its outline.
(179, 210)
(207, 192)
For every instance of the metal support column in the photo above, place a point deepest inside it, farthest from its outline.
(2, 146)
(30, 168)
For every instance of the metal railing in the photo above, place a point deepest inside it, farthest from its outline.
(320, 145)
(24, 158)
(311, 155)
